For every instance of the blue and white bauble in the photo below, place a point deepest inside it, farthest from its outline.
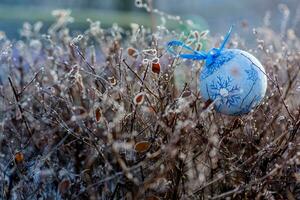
(234, 80)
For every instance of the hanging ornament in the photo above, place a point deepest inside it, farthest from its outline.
(234, 80)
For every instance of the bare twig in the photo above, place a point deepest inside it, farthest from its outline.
(20, 108)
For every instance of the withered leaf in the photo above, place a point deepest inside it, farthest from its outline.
(98, 114)
(156, 68)
(64, 185)
(139, 98)
(132, 52)
(112, 80)
(204, 33)
(19, 157)
(142, 146)
(186, 93)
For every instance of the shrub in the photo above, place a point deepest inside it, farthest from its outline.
(108, 113)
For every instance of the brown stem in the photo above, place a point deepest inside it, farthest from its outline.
(140, 79)
(19, 106)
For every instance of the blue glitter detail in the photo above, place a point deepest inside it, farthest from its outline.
(252, 74)
(232, 99)
(223, 58)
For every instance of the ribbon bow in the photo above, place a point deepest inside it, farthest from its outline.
(209, 56)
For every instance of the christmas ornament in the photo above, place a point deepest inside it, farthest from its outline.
(233, 79)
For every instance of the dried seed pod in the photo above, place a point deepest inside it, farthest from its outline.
(142, 146)
(204, 33)
(186, 93)
(145, 62)
(132, 52)
(155, 66)
(199, 46)
(112, 80)
(19, 157)
(150, 52)
(93, 55)
(196, 35)
(139, 98)
(190, 42)
(151, 109)
(98, 114)
(64, 185)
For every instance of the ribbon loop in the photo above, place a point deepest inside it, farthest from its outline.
(226, 39)
(209, 56)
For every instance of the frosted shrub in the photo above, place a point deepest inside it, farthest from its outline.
(104, 114)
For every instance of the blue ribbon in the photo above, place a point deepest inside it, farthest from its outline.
(209, 56)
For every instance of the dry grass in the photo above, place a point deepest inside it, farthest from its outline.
(103, 116)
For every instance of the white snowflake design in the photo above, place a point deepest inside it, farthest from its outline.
(223, 89)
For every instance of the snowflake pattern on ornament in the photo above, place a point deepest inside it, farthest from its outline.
(225, 91)
(252, 74)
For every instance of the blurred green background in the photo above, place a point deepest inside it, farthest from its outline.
(218, 15)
